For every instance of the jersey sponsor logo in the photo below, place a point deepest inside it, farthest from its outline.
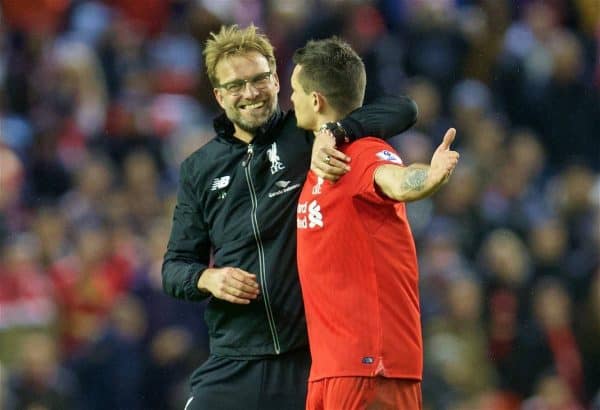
(309, 215)
(317, 187)
(315, 217)
(276, 164)
(389, 156)
(220, 183)
(283, 190)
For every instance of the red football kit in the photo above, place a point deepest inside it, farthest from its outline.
(358, 271)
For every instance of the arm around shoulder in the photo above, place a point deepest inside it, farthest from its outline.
(385, 117)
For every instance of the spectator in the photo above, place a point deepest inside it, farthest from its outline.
(587, 325)
(83, 91)
(39, 380)
(88, 281)
(26, 296)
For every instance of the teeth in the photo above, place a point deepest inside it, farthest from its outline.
(255, 105)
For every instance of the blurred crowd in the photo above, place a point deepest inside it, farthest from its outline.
(100, 101)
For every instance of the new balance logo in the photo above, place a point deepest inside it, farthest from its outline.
(220, 183)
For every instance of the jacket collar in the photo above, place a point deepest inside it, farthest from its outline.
(264, 135)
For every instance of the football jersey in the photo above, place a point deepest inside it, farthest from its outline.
(358, 272)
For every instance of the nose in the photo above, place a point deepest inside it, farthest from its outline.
(250, 90)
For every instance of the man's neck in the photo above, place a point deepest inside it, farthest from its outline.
(243, 135)
(325, 118)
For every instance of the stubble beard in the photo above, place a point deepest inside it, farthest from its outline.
(235, 116)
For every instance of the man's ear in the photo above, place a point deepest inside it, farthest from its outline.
(218, 96)
(318, 102)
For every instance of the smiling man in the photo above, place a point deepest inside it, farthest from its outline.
(248, 108)
(237, 203)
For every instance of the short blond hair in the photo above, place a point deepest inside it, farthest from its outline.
(232, 40)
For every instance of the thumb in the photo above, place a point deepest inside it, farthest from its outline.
(448, 139)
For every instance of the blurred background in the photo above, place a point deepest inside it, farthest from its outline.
(101, 100)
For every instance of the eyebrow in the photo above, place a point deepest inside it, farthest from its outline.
(244, 80)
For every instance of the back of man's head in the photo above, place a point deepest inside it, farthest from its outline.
(332, 68)
(232, 40)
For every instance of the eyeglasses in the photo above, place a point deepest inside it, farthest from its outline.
(236, 87)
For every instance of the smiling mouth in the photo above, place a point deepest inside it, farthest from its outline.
(253, 106)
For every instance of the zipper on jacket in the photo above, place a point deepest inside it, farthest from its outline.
(261, 251)
(248, 156)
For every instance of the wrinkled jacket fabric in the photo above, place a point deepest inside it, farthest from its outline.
(237, 202)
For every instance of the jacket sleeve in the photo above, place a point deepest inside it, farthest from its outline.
(188, 251)
(385, 117)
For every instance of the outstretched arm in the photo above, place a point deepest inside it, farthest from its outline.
(419, 181)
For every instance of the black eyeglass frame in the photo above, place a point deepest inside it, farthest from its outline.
(237, 86)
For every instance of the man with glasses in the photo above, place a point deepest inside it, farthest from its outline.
(236, 87)
(237, 203)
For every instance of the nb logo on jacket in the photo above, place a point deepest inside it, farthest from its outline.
(220, 183)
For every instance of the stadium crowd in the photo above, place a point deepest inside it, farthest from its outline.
(101, 100)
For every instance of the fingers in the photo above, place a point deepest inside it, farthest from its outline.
(337, 157)
(451, 162)
(232, 284)
(329, 163)
(236, 295)
(451, 159)
(239, 286)
(444, 160)
(244, 278)
(443, 164)
(326, 171)
(448, 139)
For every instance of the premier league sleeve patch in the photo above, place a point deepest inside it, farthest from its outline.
(389, 156)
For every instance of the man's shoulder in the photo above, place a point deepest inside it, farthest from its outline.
(209, 151)
(370, 150)
(365, 143)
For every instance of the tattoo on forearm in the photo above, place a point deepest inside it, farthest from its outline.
(415, 179)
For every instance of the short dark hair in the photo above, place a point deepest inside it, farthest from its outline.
(332, 68)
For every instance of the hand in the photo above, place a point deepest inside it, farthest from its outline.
(327, 162)
(231, 284)
(443, 160)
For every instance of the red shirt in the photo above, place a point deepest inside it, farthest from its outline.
(358, 271)
(86, 295)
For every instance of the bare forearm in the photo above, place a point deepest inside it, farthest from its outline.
(418, 181)
(406, 184)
